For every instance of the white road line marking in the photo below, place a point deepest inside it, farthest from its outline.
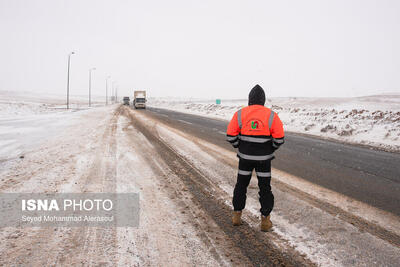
(185, 122)
(221, 132)
(164, 115)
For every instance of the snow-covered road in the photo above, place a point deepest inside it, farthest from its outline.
(185, 186)
(99, 158)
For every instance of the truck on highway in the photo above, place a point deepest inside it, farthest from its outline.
(126, 100)
(139, 99)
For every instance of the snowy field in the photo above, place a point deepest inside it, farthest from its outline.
(369, 120)
(26, 120)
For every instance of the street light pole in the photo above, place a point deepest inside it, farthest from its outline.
(90, 86)
(113, 91)
(69, 66)
(108, 77)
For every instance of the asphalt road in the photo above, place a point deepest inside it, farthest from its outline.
(365, 174)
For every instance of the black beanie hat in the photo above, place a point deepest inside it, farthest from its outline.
(257, 96)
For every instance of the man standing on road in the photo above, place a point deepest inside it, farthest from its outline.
(257, 132)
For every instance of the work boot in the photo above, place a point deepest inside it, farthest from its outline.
(236, 218)
(266, 223)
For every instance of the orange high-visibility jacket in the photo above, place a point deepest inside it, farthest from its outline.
(257, 131)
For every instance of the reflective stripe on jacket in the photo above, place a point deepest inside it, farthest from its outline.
(257, 131)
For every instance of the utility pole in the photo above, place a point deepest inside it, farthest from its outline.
(90, 86)
(69, 66)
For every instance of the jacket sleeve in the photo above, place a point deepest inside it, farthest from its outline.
(278, 135)
(233, 131)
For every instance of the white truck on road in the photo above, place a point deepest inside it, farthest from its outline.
(139, 99)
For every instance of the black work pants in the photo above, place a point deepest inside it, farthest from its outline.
(263, 171)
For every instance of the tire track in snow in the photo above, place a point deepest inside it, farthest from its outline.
(95, 245)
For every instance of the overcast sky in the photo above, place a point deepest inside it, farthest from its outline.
(203, 48)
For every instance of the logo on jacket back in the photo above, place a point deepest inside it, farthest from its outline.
(254, 125)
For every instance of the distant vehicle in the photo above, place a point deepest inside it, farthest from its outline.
(139, 99)
(126, 100)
